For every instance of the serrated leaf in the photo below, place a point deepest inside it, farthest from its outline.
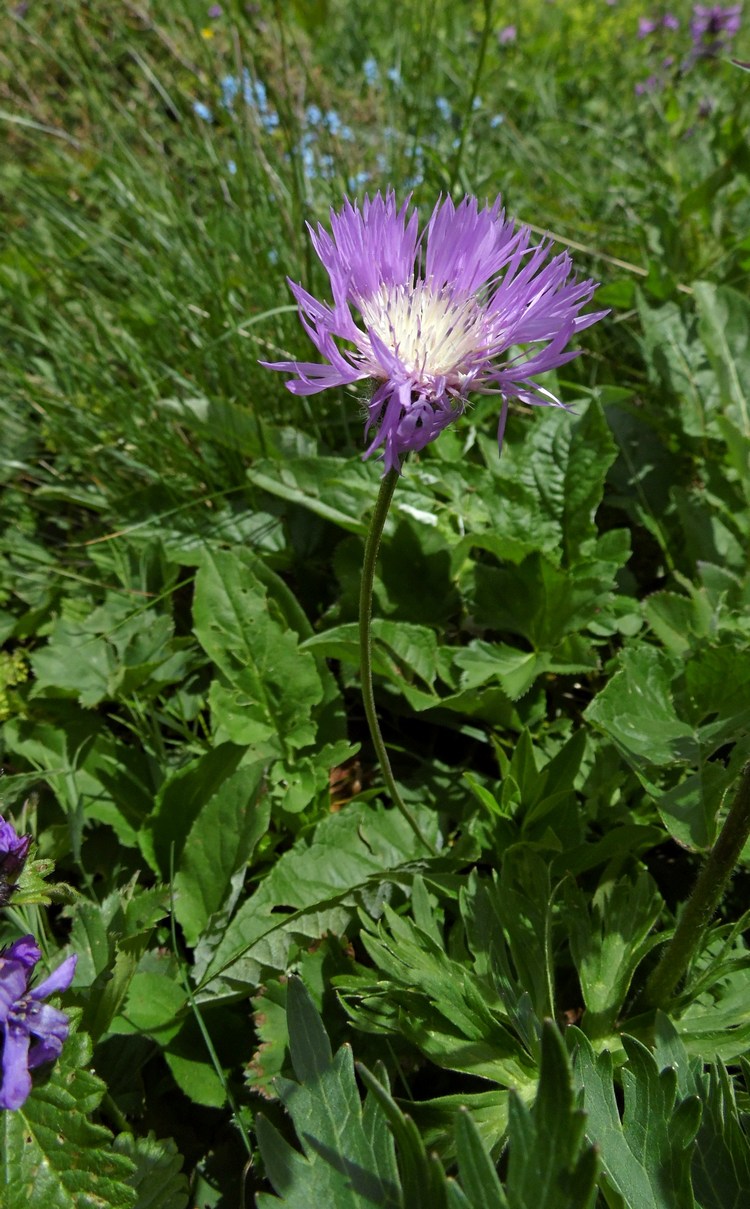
(268, 687)
(54, 1157)
(549, 1165)
(339, 1165)
(478, 1176)
(647, 1154)
(158, 1180)
(609, 941)
(423, 1184)
(319, 894)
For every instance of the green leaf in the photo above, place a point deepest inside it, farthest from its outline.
(609, 942)
(721, 1163)
(725, 328)
(268, 687)
(220, 841)
(157, 1179)
(423, 1184)
(307, 894)
(549, 1165)
(92, 774)
(346, 1161)
(647, 1155)
(182, 798)
(54, 1157)
(662, 714)
(478, 1176)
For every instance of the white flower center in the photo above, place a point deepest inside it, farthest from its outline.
(433, 334)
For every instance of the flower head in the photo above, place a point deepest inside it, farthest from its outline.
(437, 312)
(13, 852)
(33, 1032)
(712, 27)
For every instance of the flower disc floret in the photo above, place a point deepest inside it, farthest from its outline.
(431, 316)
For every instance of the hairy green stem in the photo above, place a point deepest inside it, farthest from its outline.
(387, 488)
(705, 898)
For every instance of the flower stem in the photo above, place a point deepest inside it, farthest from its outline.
(705, 898)
(387, 488)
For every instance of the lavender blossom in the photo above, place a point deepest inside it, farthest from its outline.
(13, 852)
(438, 310)
(713, 27)
(25, 1019)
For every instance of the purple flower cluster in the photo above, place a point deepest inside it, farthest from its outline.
(430, 316)
(32, 1031)
(713, 27)
(648, 26)
(13, 852)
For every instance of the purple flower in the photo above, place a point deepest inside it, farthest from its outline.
(25, 1019)
(13, 852)
(437, 312)
(507, 35)
(215, 11)
(669, 21)
(647, 26)
(712, 27)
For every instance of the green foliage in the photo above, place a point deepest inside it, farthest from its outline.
(53, 1155)
(561, 632)
(348, 1156)
(647, 1154)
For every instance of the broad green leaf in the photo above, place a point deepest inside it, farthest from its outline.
(54, 1157)
(676, 358)
(721, 1162)
(154, 1005)
(220, 841)
(185, 795)
(346, 1162)
(637, 711)
(662, 714)
(307, 893)
(545, 603)
(414, 646)
(157, 1179)
(268, 687)
(109, 938)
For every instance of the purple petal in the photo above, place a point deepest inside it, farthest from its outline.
(16, 1078)
(25, 951)
(59, 980)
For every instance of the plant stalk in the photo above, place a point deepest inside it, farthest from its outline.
(705, 898)
(387, 488)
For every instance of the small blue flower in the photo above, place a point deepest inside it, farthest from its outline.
(201, 110)
(443, 107)
(371, 73)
